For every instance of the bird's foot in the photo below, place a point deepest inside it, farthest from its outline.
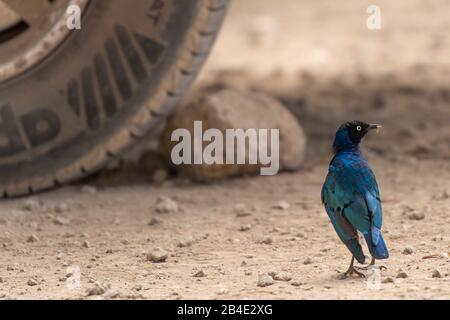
(349, 272)
(370, 266)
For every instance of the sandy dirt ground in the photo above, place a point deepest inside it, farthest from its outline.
(327, 67)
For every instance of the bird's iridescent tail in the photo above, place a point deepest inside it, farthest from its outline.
(376, 244)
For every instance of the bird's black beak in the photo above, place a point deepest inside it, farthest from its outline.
(376, 127)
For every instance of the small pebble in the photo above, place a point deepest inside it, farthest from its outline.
(165, 205)
(402, 275)
(282, 205)
(245, 227)
(158, 255)
(443, 196)
(408, 250)
(154, 221)
(199, 274)
(32, 238)
(307, 261)
(267, 240)
(387, 280)
(137, 288)
(416, 216)
(264, 280)
(243, 214)
(60, 221)
(444, 255)
(185, 243)
(112, 294)
(61, 208)
(282, 276)
(241, 210)
(296, 283)
(32, 204)
(222, 291)
(239, 207)
(436, 274)
(32, 283)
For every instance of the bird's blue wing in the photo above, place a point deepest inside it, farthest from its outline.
(357, 179)
(368, 187)
(356, 185)
(337, 202)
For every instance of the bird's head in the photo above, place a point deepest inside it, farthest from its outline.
(350, 134)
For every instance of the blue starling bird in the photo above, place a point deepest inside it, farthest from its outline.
(351, 197)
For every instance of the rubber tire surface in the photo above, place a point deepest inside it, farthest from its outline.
(105, 86)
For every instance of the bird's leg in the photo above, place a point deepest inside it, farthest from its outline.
(371, 264)
(351, 270)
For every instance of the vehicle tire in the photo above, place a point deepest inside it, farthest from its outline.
(97, 91)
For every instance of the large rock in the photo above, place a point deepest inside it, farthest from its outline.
(233, 109)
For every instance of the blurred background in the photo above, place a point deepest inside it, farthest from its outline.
(320, 58)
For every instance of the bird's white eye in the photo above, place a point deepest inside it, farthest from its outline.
(359, 128)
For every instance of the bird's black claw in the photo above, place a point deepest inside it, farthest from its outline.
(382, 268)
(349, 272)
